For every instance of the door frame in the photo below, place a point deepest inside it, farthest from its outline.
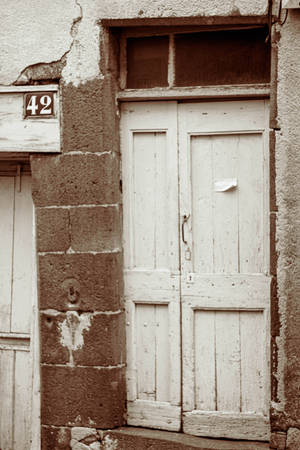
(35, 348)
(214, 93)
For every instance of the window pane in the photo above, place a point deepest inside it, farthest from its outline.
(222, 57)
(147, 62)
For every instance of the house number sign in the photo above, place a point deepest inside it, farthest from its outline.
(39, 104)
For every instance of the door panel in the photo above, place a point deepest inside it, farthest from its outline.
(225, 286)
(229, 356)
(16, 302)
(151, 259)
(214, 295)
(21, 308)
(6, 233)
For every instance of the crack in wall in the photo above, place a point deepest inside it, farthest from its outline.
(75, 25)
(46, 72)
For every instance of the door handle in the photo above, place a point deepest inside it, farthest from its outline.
(184, 221)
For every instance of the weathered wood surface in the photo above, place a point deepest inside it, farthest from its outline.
(232, 426)
(26, 135)
(222, 275)
(16, 313)
(149, 162)
(225, 308)
(143, 413)
(202, 92)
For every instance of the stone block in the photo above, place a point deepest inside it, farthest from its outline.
(293, 439)
(292, 380)
(95, 446)
(52, 227)
(129, 438)
(79, 446)
(85, 437)
(83, 282)
(52, 350)
(104, 342)
(55, 438)
(83, 339)
(78, 179)
(278, 440)
(82, 396)
(89, 116)
(81, 433)
(95, 229)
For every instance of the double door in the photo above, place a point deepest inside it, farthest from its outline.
(197, 289)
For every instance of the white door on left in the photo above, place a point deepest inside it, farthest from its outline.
(16, 312)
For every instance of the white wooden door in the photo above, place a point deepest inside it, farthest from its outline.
(219, 218)
(16, 377)
(151, 259)
(225, 282)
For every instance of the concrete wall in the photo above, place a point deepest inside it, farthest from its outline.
(77, 198)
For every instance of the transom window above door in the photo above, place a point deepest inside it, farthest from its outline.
(203, 58)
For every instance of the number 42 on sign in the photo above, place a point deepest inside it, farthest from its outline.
(39, 104)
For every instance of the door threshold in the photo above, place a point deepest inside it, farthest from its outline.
(145, 438)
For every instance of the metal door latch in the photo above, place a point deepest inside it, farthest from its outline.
(184, 221)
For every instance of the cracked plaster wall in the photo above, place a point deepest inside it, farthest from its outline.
(43, 31)
(33, 32)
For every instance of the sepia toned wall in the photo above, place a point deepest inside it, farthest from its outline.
(78, 203)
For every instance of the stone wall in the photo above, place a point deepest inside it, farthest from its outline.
(78, 215)
(286, 403)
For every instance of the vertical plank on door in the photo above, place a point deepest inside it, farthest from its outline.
(252, 368)
(228, 358)
(225, 205)
(202, 219)
(145, 350)
(6, 396)
(22, 267)
(6, 236)
(161, 203)
(250, 189)
(143, 202)
(162, 354)
(23, 389)
(149, 212)
(205, 364)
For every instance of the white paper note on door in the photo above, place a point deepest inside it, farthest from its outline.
(225, 185)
